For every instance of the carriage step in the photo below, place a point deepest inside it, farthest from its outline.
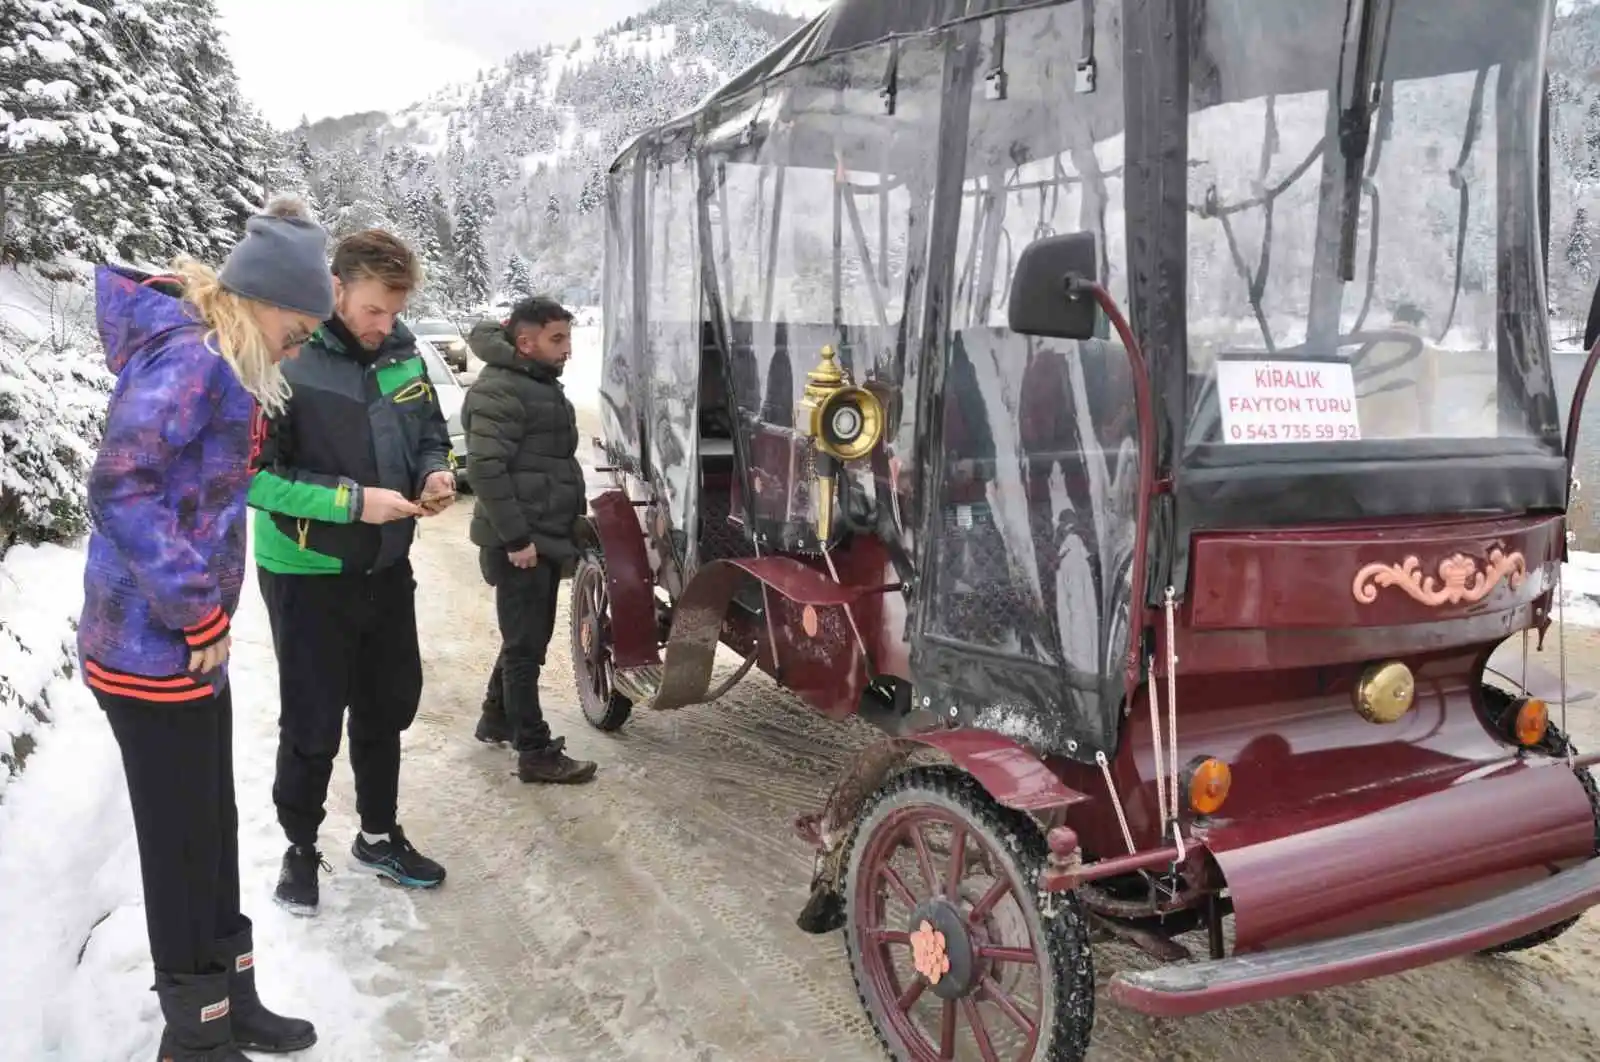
(1185, 989)
(642, 685)
(639, 684)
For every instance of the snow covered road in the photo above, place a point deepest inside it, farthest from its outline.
(648, 917)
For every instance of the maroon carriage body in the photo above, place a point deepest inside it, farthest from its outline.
(1189, 495)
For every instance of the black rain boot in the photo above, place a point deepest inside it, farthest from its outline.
(199, 1028)
(255, 1028)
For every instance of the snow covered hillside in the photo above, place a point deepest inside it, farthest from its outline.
(498, 182)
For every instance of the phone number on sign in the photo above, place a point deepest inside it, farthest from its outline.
(1291, 431)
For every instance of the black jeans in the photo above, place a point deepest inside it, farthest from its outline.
(178, 759)
(525, 604)
(343, 641)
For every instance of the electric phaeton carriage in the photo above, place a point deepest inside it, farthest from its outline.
(1142, 411)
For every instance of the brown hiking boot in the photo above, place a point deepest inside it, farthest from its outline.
(552, 765)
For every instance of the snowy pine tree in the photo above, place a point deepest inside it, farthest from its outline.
(1580, 244)
(518, 279)
(593, 195)
(123, 131)
(421, 223)
(472, 257)
(64, 129)
(353, 196)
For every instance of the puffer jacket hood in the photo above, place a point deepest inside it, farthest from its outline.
(490, 343)
(493, 346)
(134, 311)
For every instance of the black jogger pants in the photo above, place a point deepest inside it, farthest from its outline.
(343, 641)
(525, 604)
(178, 759)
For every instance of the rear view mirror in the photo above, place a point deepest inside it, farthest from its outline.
(1049, 294)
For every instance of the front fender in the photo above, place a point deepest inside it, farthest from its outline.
(1010, 772)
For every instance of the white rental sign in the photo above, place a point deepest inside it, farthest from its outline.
(1287, 402)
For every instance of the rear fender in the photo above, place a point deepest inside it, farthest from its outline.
(614, 529)
(1013, 774)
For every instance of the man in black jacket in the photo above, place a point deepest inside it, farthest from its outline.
(522, 435)
(341, 476)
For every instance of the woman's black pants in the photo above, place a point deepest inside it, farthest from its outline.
(179, 763)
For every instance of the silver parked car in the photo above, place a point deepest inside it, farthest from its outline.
(445, 337)
(451, 396)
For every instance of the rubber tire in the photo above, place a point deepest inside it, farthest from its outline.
(611, 716)
(1554, 744)
(1022, 850)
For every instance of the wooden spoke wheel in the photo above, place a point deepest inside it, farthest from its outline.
(952, 955)
(592, 663)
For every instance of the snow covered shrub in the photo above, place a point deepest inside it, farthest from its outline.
(40, 594)
(53, 389)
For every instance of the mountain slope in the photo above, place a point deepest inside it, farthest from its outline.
(499, 181)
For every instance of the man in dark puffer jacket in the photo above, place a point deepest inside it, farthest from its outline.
(522, 435)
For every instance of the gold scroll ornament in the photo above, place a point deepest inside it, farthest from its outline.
(1462, 580)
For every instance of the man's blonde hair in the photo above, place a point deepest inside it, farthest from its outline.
(373, 254)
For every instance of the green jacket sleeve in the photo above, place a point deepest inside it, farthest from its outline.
(278, 487)
(493, 418)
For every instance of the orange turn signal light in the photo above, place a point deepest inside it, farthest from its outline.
(1533, 718)
(1209, 779)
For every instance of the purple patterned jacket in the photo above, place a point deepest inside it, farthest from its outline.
(166, 497)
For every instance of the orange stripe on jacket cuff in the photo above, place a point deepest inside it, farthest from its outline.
(205, 621)
(207, 632)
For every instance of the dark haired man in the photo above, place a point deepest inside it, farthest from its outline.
(522, 438)
(361, 451)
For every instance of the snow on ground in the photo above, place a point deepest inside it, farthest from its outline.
(36, 646)
(36, 310)
(581, 378)
(1580, 589)
(75, 983)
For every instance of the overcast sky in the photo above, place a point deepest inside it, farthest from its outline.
(321, 58)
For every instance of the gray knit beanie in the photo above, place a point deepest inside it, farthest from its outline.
(282, 260)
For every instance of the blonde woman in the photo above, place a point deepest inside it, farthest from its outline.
(196, 358)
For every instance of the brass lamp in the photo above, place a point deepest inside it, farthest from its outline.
(843, 422)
